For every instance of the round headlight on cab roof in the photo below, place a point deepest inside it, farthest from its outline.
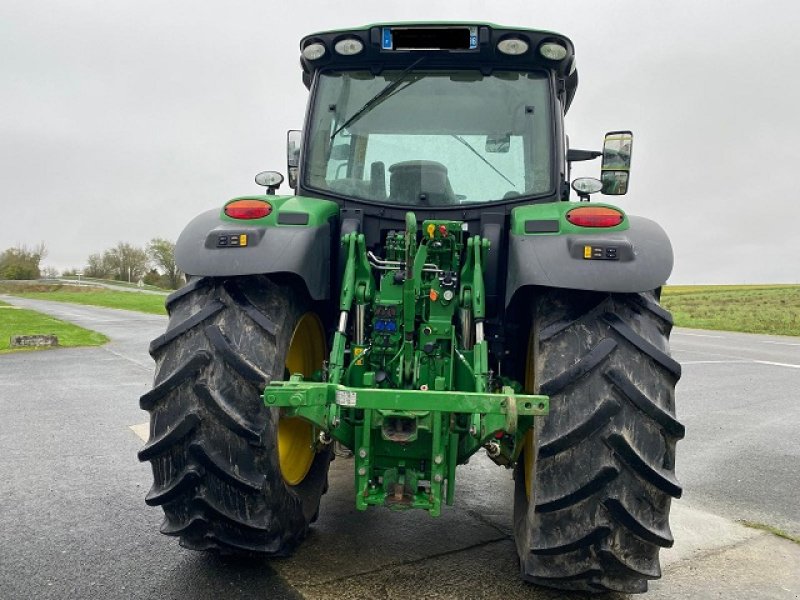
(512, 46)
(348, 46)
(553, 51)
(314, 51)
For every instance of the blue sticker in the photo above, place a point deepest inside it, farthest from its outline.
(386, 41)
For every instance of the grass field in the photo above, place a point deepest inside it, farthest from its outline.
(20, 321)
(148, 303)
(772, 309)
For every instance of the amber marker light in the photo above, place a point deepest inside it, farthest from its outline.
(595, 216)
(248, 209)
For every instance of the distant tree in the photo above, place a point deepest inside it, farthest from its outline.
(49, 272)
(153, 277)
(96, 267)
(162, 254)
(126, 262)
(22, 262)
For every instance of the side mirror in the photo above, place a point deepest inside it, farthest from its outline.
(294, 139)
(615, 171)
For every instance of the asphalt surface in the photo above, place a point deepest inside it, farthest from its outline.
(73, 522)
(739, 401)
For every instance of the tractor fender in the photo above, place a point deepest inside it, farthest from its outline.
(204, 249)
(637, 259)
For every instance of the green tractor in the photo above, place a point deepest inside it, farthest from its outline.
(428, 290)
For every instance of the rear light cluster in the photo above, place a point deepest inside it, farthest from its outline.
(595, 216)
(248, 209)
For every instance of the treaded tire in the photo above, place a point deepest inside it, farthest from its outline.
(213, 443)
(604, 475)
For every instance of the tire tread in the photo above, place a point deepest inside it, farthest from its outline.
(213, 447)
(605, 470)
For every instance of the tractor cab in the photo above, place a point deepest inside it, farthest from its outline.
(433, 118)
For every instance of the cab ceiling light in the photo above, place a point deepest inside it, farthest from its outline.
(513, 46)
(348, 46)
(553, 51)
(314, 51)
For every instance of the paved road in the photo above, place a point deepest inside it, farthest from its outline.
(72, 519)
(739, 401)
(121, 287)
(73, 522)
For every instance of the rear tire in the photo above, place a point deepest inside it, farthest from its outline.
(597, 510)
(213, 444)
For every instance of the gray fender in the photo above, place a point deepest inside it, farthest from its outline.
(304, 251)
(643, 260)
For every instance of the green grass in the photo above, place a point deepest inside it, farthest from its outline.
(21, 321)
(771, 309)
(147, 303)
(770, 529)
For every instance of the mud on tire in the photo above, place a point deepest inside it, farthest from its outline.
(604, 479)
(213, 443)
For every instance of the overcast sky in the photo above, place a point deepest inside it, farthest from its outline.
(120, 120)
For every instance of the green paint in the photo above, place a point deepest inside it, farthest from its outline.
(557, 211)
(408, 397)
(319, 211)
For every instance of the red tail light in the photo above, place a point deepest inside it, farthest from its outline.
(248, 209)
(595, 216)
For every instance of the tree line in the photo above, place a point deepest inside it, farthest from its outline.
(22, 262)
(152, 264)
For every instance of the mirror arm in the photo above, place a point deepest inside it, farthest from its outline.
(575, 155)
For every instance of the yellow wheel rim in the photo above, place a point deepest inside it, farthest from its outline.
(296, 437)
(530, 385)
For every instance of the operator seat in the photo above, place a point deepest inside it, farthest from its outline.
(420, 183)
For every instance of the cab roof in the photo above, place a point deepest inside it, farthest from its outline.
(442, 45)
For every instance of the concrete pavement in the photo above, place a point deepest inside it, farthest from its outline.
(73, 522)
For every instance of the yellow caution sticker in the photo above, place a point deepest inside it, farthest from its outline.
(431, 230)
(358, 351)
(587, 252)
(243, 239)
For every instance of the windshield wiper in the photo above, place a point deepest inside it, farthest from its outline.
(478, 154)
(379, 97)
